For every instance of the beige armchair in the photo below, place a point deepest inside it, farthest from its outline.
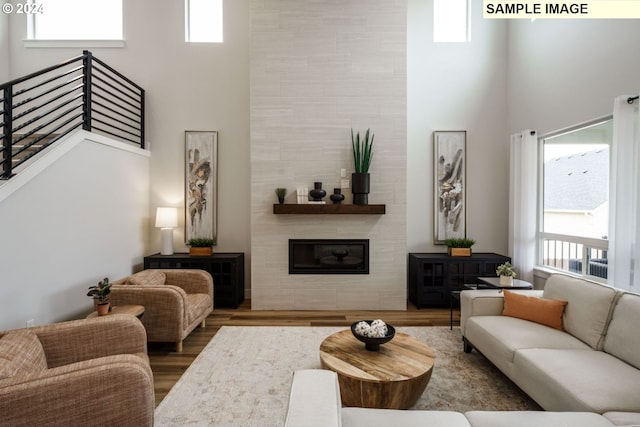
(83, 372)
(175, 301)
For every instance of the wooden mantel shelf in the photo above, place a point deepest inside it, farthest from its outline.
(335, 209)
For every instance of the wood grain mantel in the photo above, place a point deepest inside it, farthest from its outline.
(336, 209)
(393, 377)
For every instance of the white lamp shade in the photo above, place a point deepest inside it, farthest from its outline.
(167, 217)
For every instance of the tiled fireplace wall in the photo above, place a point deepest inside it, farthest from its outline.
(318, 69)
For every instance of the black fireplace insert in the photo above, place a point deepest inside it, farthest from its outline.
(328, 256)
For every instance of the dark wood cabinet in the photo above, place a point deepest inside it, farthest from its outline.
(227, 270)
(432, 276)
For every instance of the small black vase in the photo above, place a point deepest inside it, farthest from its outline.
(317, 193)
(337, 196)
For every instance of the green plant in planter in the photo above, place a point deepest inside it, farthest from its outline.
(362, 151)
(200, 242)
(281, 193)
(101, 291)
(459, 242)
(505, 269)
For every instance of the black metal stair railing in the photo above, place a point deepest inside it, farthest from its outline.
(82, 92)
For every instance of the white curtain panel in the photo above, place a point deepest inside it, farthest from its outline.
(624, 215)
(523, 181)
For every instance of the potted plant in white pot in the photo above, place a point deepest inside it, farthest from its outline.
(506, 273)
(200, 246)
(100, 294)
(362, 155)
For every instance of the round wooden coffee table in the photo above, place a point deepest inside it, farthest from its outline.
(393, 377)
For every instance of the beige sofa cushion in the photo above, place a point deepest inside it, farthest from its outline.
(535, 419)
(368, 417)
(587, 311)
(577, 380)
(622, 339)
(21, 353)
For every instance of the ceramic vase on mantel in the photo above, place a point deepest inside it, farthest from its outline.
(360, 184)
(337, 197)
(317, 193)
(506, 281)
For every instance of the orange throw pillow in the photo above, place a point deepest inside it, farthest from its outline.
(544, 311)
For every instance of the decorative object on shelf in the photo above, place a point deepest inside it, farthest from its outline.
(362, 155)
(337, 197)
(100, 294)
(449, 155)
(506, 273)
(281, 193)
(201, 182)
(167, 220)
(459, 246)
(200, 246)
(302, 195)
(317, 193)
(373, 333)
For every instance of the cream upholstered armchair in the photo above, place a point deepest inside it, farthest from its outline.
(79, 373)
(175, 301)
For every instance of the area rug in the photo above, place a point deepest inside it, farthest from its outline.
(243, 377)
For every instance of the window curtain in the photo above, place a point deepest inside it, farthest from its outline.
(624, 215)
(523, 181)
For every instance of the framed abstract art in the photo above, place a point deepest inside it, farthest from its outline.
(449, 167)
(201, 182)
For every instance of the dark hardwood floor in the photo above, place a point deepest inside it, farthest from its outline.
(168, 366)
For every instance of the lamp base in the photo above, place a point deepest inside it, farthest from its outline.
(167, 241)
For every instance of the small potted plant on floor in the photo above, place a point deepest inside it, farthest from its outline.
(200, 246)
(459, 246)
(100, 294)
(506, 273)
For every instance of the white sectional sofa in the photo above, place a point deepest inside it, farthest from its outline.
(314, 401)
(593, 365)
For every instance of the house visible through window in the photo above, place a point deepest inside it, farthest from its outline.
(203, 21)
(451, 21)
(76, 20)
(575, 200)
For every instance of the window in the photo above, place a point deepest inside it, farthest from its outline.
(451, 21)
(203, 21)
(575, 199)
(76, 20)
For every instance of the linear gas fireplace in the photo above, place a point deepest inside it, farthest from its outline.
(328, 256)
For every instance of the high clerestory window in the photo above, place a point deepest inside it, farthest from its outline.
(75, 20)
(451, 21)
(203, 21)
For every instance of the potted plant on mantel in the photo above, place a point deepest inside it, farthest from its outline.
(362, 155)
(506, 273)
(200, 246)
(459, 246)
(100, 294)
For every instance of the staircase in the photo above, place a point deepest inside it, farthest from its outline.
(79, 93)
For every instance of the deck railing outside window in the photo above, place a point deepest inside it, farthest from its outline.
(580, 255)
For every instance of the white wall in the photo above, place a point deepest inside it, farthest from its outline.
(200, 86)
(458, 86)
(83, 218)
(4, 48)
(318, 69)
(565, 72)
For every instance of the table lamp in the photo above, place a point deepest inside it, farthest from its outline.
(167, 220)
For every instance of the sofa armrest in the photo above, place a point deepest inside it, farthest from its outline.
(78, 340)
(484, 302)
(113, 390)
(191, 281)
(314, 400)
